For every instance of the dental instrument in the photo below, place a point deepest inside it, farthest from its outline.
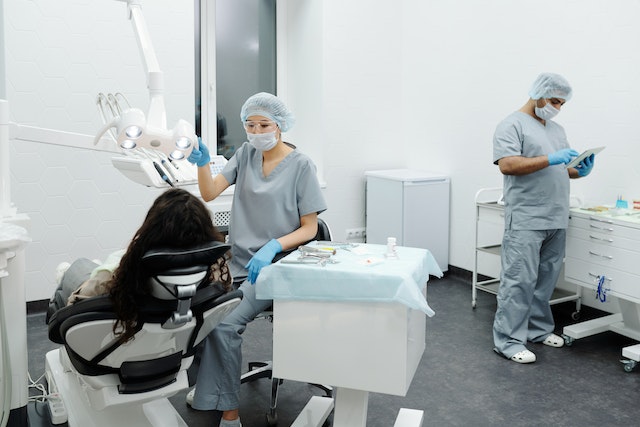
(162, 174)
(319, 251)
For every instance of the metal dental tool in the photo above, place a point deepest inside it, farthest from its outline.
(311, 260)
(338, 245)
(322, 252)
(311, 255)
(301, 261)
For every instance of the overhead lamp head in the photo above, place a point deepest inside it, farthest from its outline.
(133, 131)
(184, 138)
(130, 126)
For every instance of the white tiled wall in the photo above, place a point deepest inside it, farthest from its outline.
(59, 55)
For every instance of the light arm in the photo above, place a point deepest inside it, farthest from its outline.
(157, 115)
(134, 129)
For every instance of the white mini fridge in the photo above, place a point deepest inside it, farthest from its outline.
(413, 207)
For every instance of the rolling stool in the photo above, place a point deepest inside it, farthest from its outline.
(264, 369)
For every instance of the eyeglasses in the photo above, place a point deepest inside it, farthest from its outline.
(262, 126)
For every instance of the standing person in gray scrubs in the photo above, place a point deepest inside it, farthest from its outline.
(531, 151)
(276, 202)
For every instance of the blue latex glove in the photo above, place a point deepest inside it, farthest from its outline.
(562, 157)
(200, 155)
(585, 166)
(262, 258)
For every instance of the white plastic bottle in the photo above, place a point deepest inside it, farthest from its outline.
(391, 248)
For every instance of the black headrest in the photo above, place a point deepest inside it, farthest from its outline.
(162, 260)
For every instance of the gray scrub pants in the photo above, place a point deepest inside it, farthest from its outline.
(218, 380)
(531, 263)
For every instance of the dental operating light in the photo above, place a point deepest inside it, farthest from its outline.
(133, 129)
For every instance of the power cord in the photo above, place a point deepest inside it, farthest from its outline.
(44, 393)
(55, 404)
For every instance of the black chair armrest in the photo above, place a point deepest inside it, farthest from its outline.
(102, 304)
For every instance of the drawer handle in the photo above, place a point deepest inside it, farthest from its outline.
(600, 228)
(600, 255)
(606, 221)
(602, 240)
(596, 276)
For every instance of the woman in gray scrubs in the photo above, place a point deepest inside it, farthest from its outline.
(276, 201)
(532, 151)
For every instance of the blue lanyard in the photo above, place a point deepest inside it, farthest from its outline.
(601, 291)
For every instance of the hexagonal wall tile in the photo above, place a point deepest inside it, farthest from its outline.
(56, 181)
(57, 239)
(83, 194)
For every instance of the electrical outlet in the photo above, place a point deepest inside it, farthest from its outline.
(356, 233)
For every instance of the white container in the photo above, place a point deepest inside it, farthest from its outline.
(411, 205)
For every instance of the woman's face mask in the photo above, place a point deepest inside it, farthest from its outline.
(263, 141)
(547, 112)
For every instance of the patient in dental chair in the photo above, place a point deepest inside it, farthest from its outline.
(177, 219)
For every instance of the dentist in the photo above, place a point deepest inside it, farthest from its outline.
(276, 201)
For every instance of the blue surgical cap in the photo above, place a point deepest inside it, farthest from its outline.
(269, 106)
(550, 85)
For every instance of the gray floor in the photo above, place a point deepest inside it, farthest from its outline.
(460, 381)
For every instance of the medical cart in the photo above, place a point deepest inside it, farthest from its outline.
(603, 249)
(489, 228)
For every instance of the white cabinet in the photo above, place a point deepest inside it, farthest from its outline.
(600, 247)
(413, 207)
(603, 254)
(489, 228)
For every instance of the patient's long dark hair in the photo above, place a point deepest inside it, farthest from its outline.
(177, 219)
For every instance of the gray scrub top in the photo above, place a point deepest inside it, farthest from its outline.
(266, 208)
(539, 200)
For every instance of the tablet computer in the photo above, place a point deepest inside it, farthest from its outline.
(575, 162)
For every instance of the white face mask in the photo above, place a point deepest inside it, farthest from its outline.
(263, 141)
(547, 112)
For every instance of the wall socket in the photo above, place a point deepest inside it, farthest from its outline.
(356, 233)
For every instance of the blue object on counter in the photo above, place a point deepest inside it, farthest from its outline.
(621, 204)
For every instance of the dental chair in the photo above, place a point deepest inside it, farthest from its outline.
(103, 382)
(264, 369)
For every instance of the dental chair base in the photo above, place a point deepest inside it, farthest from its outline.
(157, 411)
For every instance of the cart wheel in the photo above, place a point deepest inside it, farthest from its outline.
(473, 304)
(568, 341)
(272, 419)
(575, 315)
(629, 365)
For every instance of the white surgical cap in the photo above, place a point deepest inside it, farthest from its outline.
(550, 85)
(269, 106)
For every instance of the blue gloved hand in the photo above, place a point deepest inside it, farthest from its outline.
(200, 155)
(262, 258)
(562, 157)
(585, 166)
